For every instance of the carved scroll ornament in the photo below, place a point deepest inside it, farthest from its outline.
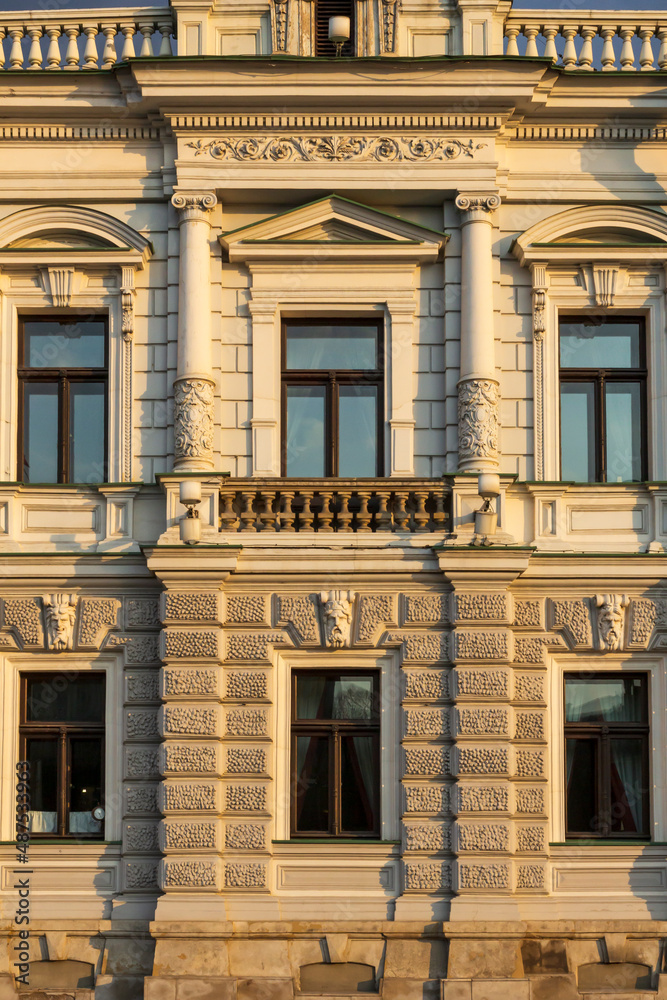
(478, 420)
(193, 419)
(335, 148)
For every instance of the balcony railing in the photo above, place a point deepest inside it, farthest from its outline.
(341, 505)
(59, 40)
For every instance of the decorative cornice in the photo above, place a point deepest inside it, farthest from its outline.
(194, 206)
(335, 148)
(268, 122)
(577, 133)
(103, 132)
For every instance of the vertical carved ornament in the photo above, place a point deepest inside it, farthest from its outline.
(337, 617)
(127, 294)
(127, 302)
(279, 12)
(61, 285)
(610, 610)
(389, 10)
(193, 419)
(59, 619)
(605, 280)
(478, 421)
(540, 285)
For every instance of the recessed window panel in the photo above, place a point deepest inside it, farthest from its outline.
(87, 446)
(65, 697)
(586, 344)
(336, 346)
(606, 699)
(357, 430)
(581, 767)
(40, 433)
(577, 425)
(66, 343)
(311, 789)
(325, 696)
(85, 784)
(359, 781)
(628, 786)
(306, 425)
(43, 757)
(623, 431)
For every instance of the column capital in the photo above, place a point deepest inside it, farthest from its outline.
(194, 205)
(478, 207)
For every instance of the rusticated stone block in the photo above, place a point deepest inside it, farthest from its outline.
(530, 799)
(427, 722)
(530, 838)
(642, 622)
(189, 720)
(529, 614)
(375, 610)
(427, 760)
(142, 612)
(485, 958)
(483, 798)
(141, 762)
(530, 725)
(247, 722)
(300, 612)
(183, 681)
(245, 836)
(246, 798)
(246, 760)
(245, 875)
(252, 645)
(141, 725)
(261, 988)
(140, 838)
(530, 877)
(140, 875)
(426, 798)
(247, 684)
(483, 760)
(427, 837)
(484, 876)
(529, 763)
(183, 836)
(191, 643)
(426, 685)
(191, 607)
(427, 876)
(482, 721)
(187, 797)
(482, 607)
(180, 758)
(141, 799)
(427, 646)
(427, 609)
(491, 837)
(530, 649)
(138, 648)
(96, 616)
(184, 874)
(143, 685)
(482, 644)
(23, 615)
(574, 617)
(482, 683)
(529, 687)
(246, 609)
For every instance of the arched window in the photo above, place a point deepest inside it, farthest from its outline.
(324, 9)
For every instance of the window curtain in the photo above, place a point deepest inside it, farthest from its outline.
(626, 782)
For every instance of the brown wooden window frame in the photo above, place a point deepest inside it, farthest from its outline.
(599, 377)
(331, 380)
(63, 378)
(63, 733)
(603, 733)
(333, 729)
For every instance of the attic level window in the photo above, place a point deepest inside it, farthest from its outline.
(324, 9)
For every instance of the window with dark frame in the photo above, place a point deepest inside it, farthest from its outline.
(63, 388)
(603, 377)
(335, 770)
(62, 736)
(324, 9)
(332, 395)
(606, 756)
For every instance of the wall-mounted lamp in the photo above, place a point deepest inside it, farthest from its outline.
(339, 32)
(486, 518)
(189, 493)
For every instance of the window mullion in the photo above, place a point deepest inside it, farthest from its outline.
(601, 436)
(63, 782)
(604, 772)
(332, 430)
(63, 419)
(335, 782)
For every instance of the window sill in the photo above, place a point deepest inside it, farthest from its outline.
(607, 842)
(357, 841)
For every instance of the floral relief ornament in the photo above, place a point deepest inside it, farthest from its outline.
(335, 148)
(478, 419)
(610, 620)
(193, 418)
(337, 617)
(59, 618)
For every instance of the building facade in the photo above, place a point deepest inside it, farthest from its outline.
(333, 503)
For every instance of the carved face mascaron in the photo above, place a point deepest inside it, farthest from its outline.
(611, 615)
(337, 617)
(59, 617)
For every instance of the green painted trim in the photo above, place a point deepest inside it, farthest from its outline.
(34, 842)
(198, 546)
(607, 842)
(159, 476)
(334, 840)
(608, 246)
(336, 243)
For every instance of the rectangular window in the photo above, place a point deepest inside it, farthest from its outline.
(332, 398)
(606, 756)
(603, 399)
(335, 754)
(63, 376)
(62, 737)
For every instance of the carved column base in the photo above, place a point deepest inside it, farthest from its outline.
(193, 425)
(478, 424)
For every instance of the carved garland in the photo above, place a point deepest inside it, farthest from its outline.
(336, 148)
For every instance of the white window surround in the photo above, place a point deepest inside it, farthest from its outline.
(42, 277)
(589, 278)
(333, 258)
(11, 667)
(359, 660)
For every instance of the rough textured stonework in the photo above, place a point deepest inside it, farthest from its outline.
(188, 796)
(432, 646)
(427, 876)
(529, 687)
(427, 722)
(530, 877)
(252, 645)
(529, 614)
(483, 837)
(426, 685)
(531, 649)
(245, 836)
(246, 609)
(529, 763)
(96, 616)
(643, 618)
(429, 837)
(426, 798)
(191, 607)
(141, 874)
(141, 799)
(247, 684)
(530, 725)
(141, 725)
(246, 798)
(483, 798)
(487, 876)
(300, 612)
(374, 610)
(142, 612)
(186, 874)
(188, 836)
(139, 648)
(482, 645)
(141, 763)
(143, 686)
(427, 609)
(482, 607)
(247, 722)
(427, 760)
(141, 838)
(530, 799)
(575, 618)
(483, 760)
(483, 683)
(191, 643)
(245, 876)
(183, 681)
(190, 720)
(482, 721)
(182, 758)
(22, 614)
(530, 838)
(246, 760)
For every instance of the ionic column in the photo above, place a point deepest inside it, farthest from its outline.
(194, 382)
(478, 385)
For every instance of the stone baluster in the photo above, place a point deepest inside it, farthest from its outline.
(165, 30)
(478, 384)
(248, 516)
(344, 514)
(128, 31)
(35, 54)
(109, 53)
(531, 34)
(627, 55)
(383, 516)
(550, 31)
(287, 516)
(646, 54)
(608, 56)
(147, 43)
(194, 383)
(72, 54)
(53, 53)
(570, 51)
(421, 516)
(307, 515)
(586, 55)
(440, 514)
(266, 516)
(401, 515)
(327, 512)
(16, 54)
(364, 515)
(3, 35)
(511, 34)
(662, 54)
(90, 57)
(228, 519)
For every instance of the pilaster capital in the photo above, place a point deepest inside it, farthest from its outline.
(477, 207)
(194, 206)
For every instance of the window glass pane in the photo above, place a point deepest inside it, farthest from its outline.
(577, 431)
(624, 431)
(312, 784)
(40, 433)
(86, 433)
(628, 786)
(359, 781)
(581, 792)
(69, 343)
(322, 697)
(590, 344)
(43, 757)
(605, 699)
(335, 346)
(357, 430)
(85, 787)
(65, 698)
(304, 440)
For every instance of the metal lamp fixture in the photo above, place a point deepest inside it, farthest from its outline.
(189, 493)
(486, 518)
(339, 32)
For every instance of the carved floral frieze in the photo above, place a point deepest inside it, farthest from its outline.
(478, 420)
(335, 148)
